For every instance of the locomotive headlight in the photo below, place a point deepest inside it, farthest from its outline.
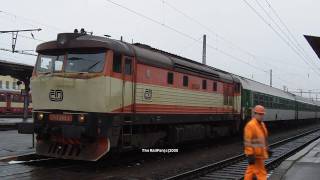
(40, 116)
(81, 118)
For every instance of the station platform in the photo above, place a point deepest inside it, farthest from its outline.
(304, 165)
(11, 123)
(13, 144)
(13, 120)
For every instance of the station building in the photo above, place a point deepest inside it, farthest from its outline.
(8, 83)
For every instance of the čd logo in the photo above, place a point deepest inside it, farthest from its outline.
(56, 95)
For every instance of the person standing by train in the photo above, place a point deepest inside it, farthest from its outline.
(256, 146)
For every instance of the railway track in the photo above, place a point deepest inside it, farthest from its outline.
(234, 167)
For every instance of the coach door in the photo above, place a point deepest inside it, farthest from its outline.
(127, 86)
(8, 109)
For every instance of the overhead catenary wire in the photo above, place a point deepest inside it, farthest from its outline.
(291, 39)
(18, 51)
(56, 29)
(187, 36)
(181, 33)
(208, 29)
(288, 35)
(288, 30)
(280, 36)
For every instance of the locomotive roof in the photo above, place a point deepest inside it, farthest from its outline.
(144, 53)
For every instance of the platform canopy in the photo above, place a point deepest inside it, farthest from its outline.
(19, 71)
(314, 42)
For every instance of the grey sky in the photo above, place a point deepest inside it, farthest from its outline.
(233, 20)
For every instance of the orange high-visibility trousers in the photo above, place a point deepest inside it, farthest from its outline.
(257, 169)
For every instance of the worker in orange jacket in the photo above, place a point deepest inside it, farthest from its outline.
(256, 146)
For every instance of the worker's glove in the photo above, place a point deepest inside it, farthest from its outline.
(251, 159)
(270, 153)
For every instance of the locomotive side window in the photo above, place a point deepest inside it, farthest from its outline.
(185, 81)
(237, 88)
(215, 86)
(170, 78)
(204, 84)
(116, 66)
(128, 66)
(0, 84)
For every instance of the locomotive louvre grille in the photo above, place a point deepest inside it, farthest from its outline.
(56, 95)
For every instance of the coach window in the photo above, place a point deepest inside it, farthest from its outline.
(16, 98)
(2, 98)
(116, 66)
(170, 78)
(128, 66)
(256, 99)
(204, 84)
(215, 86)
(185, 81)
(0, 84)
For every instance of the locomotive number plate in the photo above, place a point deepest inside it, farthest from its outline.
(60, 117)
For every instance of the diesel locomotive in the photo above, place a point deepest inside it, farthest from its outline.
(94, 94)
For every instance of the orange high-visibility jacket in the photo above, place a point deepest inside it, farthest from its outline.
(255, 139)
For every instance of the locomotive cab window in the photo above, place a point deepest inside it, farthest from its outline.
(170, 78)
(116, 66)
(185, 81)
(128, 66)
(204, 84)
(49, 63)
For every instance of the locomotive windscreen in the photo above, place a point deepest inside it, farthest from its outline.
(85, 62)
(71, 62)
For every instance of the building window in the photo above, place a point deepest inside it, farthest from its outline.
(185, 81)
(116, 66)
(170, 78)
(204, 84)
(0, 84)
(215, 86)
(7, 84)
(128, 66)
(14, 85)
